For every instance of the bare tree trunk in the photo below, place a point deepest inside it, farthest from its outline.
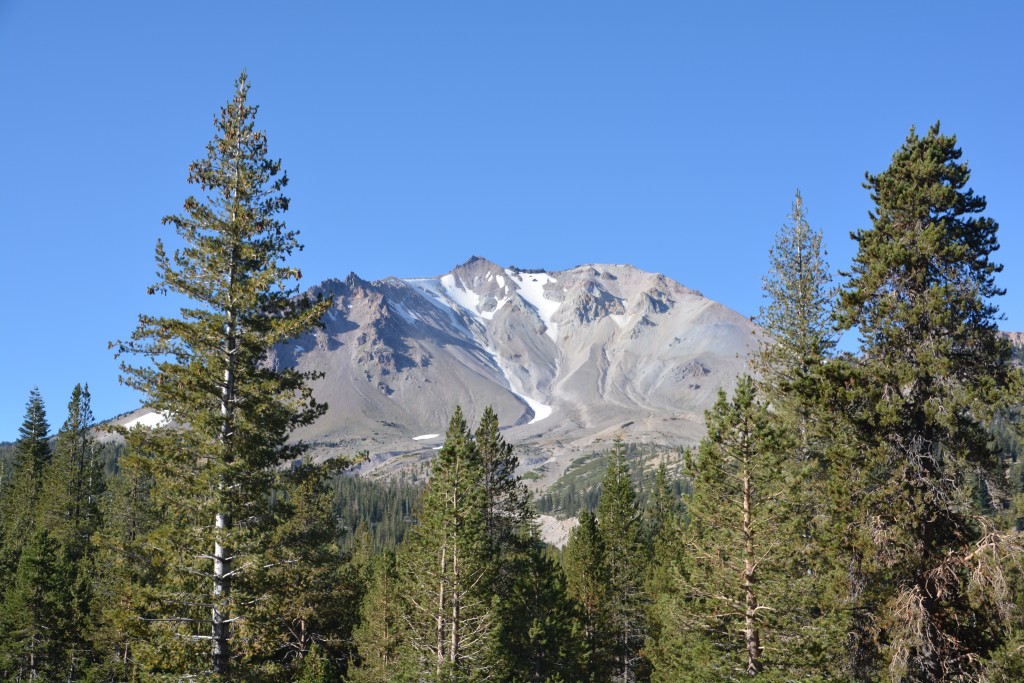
(441, 610)
(751, 634)
(220, 618)
(221, 593)
(456, 605)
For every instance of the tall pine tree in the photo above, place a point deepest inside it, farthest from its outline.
(932, 370)
(799, 340)
(626, 558)
(797, 315)
(586, 574)
(73, 482)
(19, 494)
(382, 630)
(447, 569)
(724, 616)
(231, 413)
(37, 621)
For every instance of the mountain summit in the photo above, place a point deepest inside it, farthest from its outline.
(568, 359)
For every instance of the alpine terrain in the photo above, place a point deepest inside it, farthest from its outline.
(569, 360)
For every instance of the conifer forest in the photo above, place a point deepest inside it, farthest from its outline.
(849, 515)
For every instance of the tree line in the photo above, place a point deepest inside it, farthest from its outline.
(848, 516)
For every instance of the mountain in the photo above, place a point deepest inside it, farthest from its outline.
(568, 359)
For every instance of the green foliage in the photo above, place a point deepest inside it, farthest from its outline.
(728, 591)
(38, 618)
(446, 568)
(542, 630)
(579, 488)
(797, 319)
(381, 632)
(385, 506)
(316, 668)
(123, 569)
(231, 410)
(73, 481)
(19, 493)
(932, 372)
(308, 591)
(586, 573)
(626, 558)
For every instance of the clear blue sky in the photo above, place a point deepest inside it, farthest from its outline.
(668, 135)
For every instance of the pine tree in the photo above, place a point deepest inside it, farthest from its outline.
(799, 339)
(309, 592)
(73, 481)
(123, 568)
(18, 496)
(381, 632)
(507, 510)
(37, 615)
(316, 668)
(535, 616)
(33, 447)
(231, 412)
(663, 508)
(586, 574)
(545, 641)
(797, 320)
(68, 508)
(447, 570)
(723, 620)
(932, 371)
(626, 559)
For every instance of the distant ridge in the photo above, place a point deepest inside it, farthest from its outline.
(568, 359)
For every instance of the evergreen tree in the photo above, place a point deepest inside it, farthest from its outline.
(663, 509)
(728, 605)
(123, 568)
(309, 591)
(507, 509)
(361, 556)
(33, 447)
(932, 371)
(231, 410)
(626, 558)
(316, 668)
(447, 569)
(535, 616)
(797, 319)
(381, 632)
(37, 616)
(587, 581)
(19, 494)
(545, 642)
(800, 338)
(73, 481)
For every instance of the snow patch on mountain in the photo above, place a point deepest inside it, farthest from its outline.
(466, 299)
(531, 289)
(540, 410)
(150, 420)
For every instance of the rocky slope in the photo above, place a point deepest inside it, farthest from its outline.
(568, 359)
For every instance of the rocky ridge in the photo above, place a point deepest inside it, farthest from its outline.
(568, 359)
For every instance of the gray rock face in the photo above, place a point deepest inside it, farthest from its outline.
(569, 360)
